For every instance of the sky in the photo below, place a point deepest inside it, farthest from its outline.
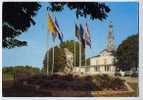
(124, 17)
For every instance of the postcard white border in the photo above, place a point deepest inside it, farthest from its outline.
(85, 98)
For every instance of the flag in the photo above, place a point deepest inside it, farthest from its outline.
(81, 36)
(60, 34)
(87, 35)
(81, 31)
(52, 27)
(77, 32)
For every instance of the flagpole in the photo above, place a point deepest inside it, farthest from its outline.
(85, 54)
(53, 58)
(47, 61)
(75, 53)
(79, 48)
(47, 65)
(54, 29)
(80, 54)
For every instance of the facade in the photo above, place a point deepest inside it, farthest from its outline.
(103, 63)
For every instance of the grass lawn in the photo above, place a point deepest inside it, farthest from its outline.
(7, 77)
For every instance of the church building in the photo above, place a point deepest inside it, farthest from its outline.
(104, 62)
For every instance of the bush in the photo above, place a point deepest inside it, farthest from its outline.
(118, 74)
(134, 74)
(88, 78)
(117, 83)
(70, 82)
(69, 77)
(55, 76)
(128, 73)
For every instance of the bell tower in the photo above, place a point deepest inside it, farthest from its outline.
(110, 38)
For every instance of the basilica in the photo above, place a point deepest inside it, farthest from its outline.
(104, 62)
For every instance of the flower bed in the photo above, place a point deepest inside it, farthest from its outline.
(71, 82)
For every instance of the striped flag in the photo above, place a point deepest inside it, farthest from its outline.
(81, 36)
(51, 26)
(77, 32)
(87, 35)
(60, 34)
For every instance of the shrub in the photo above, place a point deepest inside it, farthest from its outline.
(88, 78)
(134, 74)
(71, 82)
(117, 83)
(118, 74)
(55, 76)
(69, 77)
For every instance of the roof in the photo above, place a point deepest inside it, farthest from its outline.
(104, 50)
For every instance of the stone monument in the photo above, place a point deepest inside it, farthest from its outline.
(69, 61)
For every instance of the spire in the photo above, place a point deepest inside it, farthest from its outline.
(110, 38)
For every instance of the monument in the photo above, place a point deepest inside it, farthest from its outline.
(69, 61)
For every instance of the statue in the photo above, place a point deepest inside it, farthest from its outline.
(69, 61)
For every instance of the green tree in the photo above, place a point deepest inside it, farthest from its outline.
(20, 69)
(127, 53)
(59, 57)
(96, 10)
(17, 18)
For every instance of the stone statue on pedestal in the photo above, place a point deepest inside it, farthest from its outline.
(69, 61)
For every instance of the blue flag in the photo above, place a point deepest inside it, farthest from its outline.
(60, 34)
(81, 36)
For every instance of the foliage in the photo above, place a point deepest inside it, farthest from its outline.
(134, 74)
(127, 53)
(59, 57)
(117, 84)
(117, 73)
(17, 18)
(96, 10)
(71, 82)
(7, 76)
(19, 69)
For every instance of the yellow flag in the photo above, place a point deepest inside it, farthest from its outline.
(51, 26)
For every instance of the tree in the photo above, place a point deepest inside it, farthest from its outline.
(95, 10)
(20, 69)
(127, 53)
(17, 18)
(59, 57)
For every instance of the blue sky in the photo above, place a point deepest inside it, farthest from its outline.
(124, 17)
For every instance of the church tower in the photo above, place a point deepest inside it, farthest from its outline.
(110, 38)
